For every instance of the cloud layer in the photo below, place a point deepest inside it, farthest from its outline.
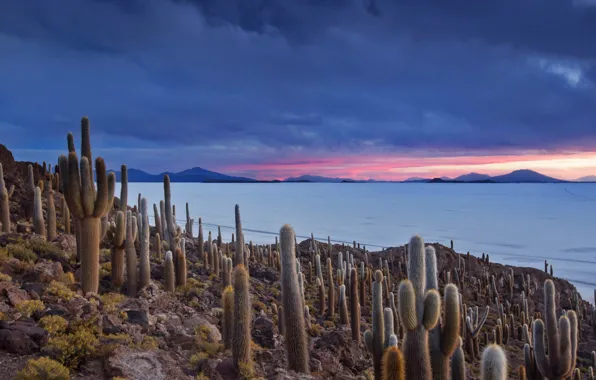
(242, 85)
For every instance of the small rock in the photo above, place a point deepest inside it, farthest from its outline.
(146, 365)
(16, 296)
(22, 337)
(138, 317)
(48, 271)
(23, 228)
(210, 331)
(262, 332)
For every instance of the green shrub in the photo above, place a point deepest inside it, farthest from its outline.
(63, 292)
(54, 324)
(47, 250)
(21, 252)
(29, 308)
(43, 369)
(74, 348)
(110, 301)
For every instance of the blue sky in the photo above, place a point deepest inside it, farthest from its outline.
(273, 88)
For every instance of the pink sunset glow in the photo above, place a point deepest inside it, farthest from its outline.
(567, 166)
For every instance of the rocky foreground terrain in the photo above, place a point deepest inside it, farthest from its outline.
(181, 328)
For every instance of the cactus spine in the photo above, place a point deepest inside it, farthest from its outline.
(294, 324)
(169, 275)
(5, 195)
(51, 212)
(227, 323)
(419, 313)
(443, 338)
(131, 254)
(354, 306)
(393, 362)
(38, 223)
(562, 339)
(375, 339)
(144, 263)
(241, 338)
(87, 204)
(494, 364)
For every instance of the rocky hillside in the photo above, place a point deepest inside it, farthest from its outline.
(157, 314)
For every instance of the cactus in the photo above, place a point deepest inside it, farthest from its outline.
(521, 372)
(419, 313)
(189, 222)
(375, 339)
(173, 234)
(124, 189)
(330, 290)
(144, 262)
(343, 306)
(180, 265)
(473, 327)
(295, 338)
(239, 253)
(443, 338)
(241, 338)
(354, 306)
(393, 361)
(458, 363)
(87, 204)
(494, 364)
(388, 326)
(51, 212)
(158, 228)
(117, 234)
(158, 246)
(131, 254)
(562, 339)
(30, 190)
(227, 323)
(5, 195)
(169, 275)
(38, 223)
(65, 215)
(162, 220)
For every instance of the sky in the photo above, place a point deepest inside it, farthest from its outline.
(384, 89)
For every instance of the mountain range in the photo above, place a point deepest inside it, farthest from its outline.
(198, 174)
(195, 174)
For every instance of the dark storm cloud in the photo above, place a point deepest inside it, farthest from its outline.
(220, 82)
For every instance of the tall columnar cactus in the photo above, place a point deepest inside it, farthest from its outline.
(65, 215)
(131, 255)
(124, 188)
(562, 339)
(473, 327)
(444, 337)
(169, 275)
(144, 262)
(354, 306)
(220, 240)
(295, 338)
(241, 338)
(388, 321)
(30, 190)
(158, 246)
(157, 219)
(458, 363)
(227, 322)
(321, 287)
(172, 235)
(87, 204)
(51, 212)
(494, 364)
(343, 306)
(118, 235)
(239, 253)
(375, 339)
(226, 273)
(201, 240)
(180, 264)
(5, 195)
(393, 362)
(330, 290)
(162, 218)
(38, 223)
(188, 226)
(419, 313)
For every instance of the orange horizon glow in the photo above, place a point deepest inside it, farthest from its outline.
(566, 166)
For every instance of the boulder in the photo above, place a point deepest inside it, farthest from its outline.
(144, 365)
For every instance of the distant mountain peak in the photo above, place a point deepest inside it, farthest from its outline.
(316, 178)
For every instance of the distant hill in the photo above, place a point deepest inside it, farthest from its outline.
(472, 177)
(524, 175)
(417, 179)
(589, 178)
(316, 178)
(196, 174)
